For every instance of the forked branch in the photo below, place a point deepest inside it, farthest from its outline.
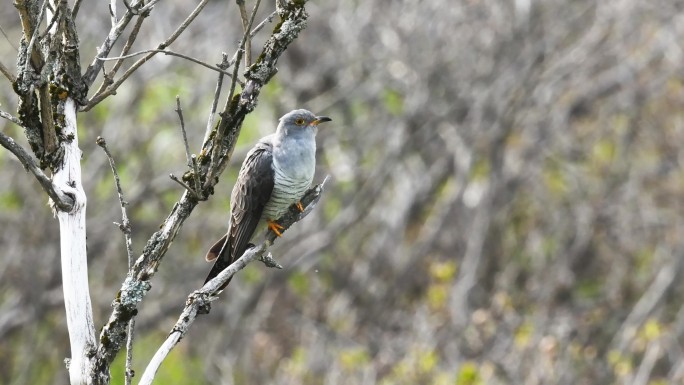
(199, 302)
(60, 199)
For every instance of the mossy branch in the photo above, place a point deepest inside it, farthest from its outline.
(136, 286)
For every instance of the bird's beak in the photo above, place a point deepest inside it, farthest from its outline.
(320, 119)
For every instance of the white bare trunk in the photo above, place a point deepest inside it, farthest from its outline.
(72, 225)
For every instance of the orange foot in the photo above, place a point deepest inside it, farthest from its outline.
(299, 207)
(275, 227)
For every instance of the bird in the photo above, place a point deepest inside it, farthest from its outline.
(275, 175)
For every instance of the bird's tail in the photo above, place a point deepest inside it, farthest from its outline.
(220, 252)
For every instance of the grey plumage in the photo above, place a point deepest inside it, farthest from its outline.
(275, 174)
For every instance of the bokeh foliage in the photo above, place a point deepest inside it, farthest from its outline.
(505, 203)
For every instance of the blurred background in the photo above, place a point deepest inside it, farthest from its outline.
(505, 203)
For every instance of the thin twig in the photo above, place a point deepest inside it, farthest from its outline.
(62, 200)
(74, 10)
(10, 117)
(217, 94)
(185, 186)
(129, 373)
(248, 36)
(35, 34)
(114, 33)
(50, 24)
(112, 88)
(8, 74)
(243, 13)
(263, 23)
(50, 140)
(191, 159)
(218, 137)
(179, 111)
(245, 28)
(112, 12)
(108, 77)
(241, 51)
(172, 53)
(130, 7)
(131, 38)
(7, 38)
(149, 6)
(125, 228)
(129, 42)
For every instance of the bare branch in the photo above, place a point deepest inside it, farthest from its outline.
(54, 18)
(218, 137)
(172, 53)
(114, 33)
(149, 6)
(129, 7)
(125, 224)
(179, 111)
(7, 38)
(191, 159)
(125, 228)
(131, 39)
(61, 200)
(245, 27)
(74, 11)
(199, 302)
(128, 375)
(248, 36)
(113, 87)
(257, 75)
(263, 23)
(11, 118)
(217, 94)
(238, 56)
(112, 12)
(109, 76)
(34, 33)
(185, 186)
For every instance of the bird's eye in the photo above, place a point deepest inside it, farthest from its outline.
(299, 121)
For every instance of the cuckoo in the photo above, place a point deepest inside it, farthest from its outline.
(275, 175)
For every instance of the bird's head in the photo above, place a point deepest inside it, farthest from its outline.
(300, 122)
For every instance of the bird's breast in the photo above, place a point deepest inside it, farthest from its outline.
(295, 159)
(293, 173)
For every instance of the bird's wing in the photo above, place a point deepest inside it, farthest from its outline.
(251, 193)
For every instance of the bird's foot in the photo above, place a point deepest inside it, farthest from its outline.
(299, 206)
(275, 227)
